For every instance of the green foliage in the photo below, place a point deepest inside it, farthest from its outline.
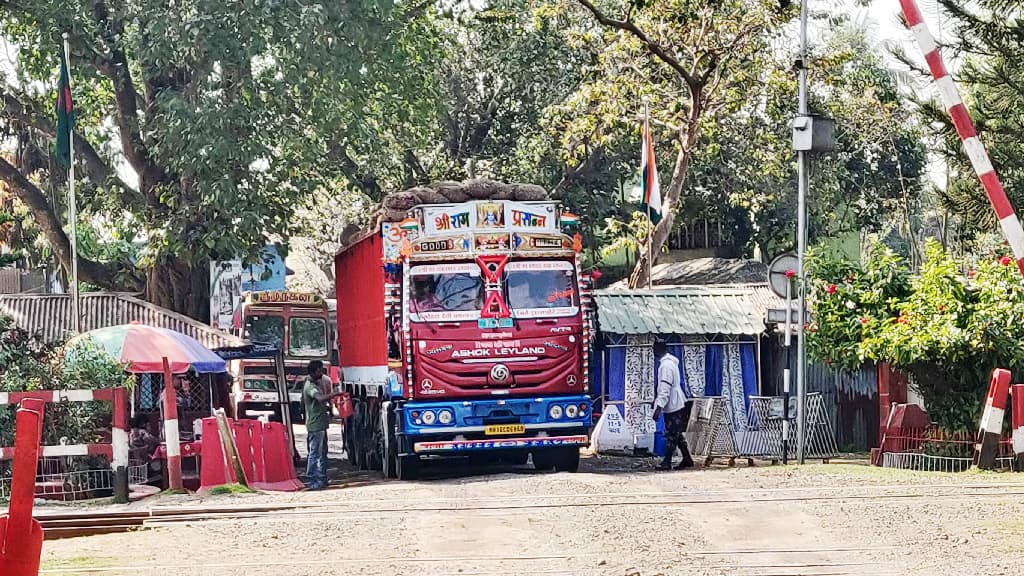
(947, 329)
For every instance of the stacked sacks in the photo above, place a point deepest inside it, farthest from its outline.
(398, 204)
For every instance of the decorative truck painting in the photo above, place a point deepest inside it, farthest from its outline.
(470, 338)
(294, 322)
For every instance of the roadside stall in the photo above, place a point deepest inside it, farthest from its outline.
(198, 377)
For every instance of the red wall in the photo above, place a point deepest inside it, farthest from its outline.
(359, 280)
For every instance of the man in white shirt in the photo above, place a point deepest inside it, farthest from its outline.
(671, 402)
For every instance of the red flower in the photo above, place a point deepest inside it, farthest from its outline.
(790, 273)
(596, 274)
(903, 319)
(1005, 261)
(831, 288)
(863, 320)
(942, 308)
(972, 273)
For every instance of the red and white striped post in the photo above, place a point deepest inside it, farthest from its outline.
(965, 129)
(1017, 420)
(119, 445)
(171, 434)
(987, 447)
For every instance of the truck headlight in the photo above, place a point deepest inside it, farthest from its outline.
(555, 411)
(571, 411)
(429, 417)
(445, 417)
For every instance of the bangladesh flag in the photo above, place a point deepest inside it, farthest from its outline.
(65, 116)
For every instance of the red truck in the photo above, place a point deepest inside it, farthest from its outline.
(462, 331)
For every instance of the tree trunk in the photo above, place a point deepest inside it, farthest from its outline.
(180, 286)
(642, 270)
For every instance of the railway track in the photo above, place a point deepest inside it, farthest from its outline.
(58, 526)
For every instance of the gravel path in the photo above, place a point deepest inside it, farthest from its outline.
(614, 517)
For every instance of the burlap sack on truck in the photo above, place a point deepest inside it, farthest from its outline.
(396, 206)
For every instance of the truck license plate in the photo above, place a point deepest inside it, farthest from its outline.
(499, 429)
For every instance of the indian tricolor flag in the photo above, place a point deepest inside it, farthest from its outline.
(649, 185)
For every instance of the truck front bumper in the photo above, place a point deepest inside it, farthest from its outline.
(532, 443)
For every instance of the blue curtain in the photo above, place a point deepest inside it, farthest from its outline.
(749, 363)
(713, 370)
(596, 369)
(616, 374)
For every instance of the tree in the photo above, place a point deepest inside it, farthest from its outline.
(987, 35)
(872, 180)
(693, 59)
(204, 123)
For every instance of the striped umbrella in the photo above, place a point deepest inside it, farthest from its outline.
(143, 348)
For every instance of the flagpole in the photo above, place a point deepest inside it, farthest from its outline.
(650, 224)
(72, 205)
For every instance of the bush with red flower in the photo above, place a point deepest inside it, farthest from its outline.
(948, 329)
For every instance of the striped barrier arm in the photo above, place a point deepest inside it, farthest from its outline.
(118, 449)
(958, 112)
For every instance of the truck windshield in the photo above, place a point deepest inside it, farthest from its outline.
(541, 288)
(307, 337)
(446, 289)
(265, 329)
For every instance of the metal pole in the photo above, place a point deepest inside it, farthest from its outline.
(801, 359)
(72, 207)
(650, 231)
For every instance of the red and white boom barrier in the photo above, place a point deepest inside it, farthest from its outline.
(116, 451)
(965, 129)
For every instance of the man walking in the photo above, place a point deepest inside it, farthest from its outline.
(671, 402)
(318, 416)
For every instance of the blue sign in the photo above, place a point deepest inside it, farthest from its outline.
(494, 323)
(267, 275)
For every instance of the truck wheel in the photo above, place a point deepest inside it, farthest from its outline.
(543, 460)
(349, 437)
(407, 467)
(389, 455)
(568, 460)
(516, 458)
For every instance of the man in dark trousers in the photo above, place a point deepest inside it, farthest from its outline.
(318, 416)
(671, 402)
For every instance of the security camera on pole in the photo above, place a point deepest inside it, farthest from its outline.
(810, 134)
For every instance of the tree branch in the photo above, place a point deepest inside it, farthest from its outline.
(100, 274)
(653, 47)
(97, 169)
(127, 100)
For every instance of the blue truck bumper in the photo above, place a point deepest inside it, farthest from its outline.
(521, 424)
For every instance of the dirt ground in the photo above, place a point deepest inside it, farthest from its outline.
(616, 516)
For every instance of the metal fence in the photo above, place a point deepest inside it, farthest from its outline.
(934, 449)
(73, 478)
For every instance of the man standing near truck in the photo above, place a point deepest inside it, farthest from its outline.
(672, 403)
(318, 417)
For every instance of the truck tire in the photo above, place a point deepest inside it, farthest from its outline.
(568, 460)
(389, 451)
(349, 437)
(407, 467)
(543, 460)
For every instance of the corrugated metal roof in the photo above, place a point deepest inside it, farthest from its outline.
(49, 316)
(685, 310)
